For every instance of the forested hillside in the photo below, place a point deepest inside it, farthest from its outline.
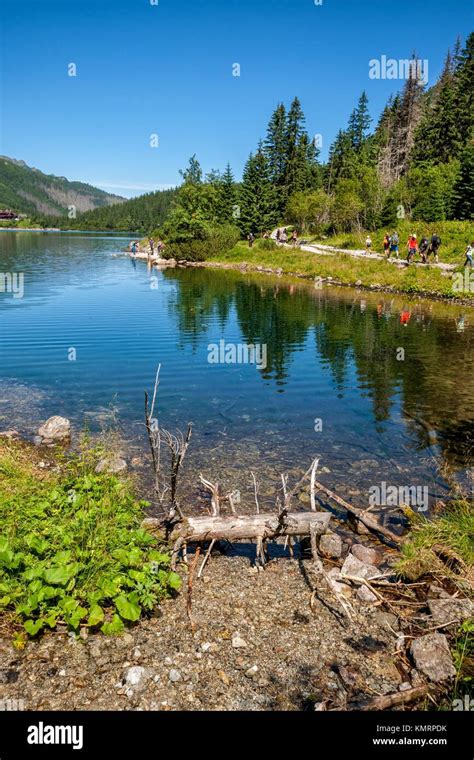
(28, 191)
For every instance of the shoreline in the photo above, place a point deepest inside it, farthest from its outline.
(328, 281)
(224, 656)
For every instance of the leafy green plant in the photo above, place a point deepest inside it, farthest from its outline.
(72, 550)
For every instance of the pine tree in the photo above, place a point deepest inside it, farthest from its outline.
(359, 123)
(227, 197)
(295, 168)
(275, 145)
(258, 201)
(463, 193)
(340, 157)
(437, 138)
(464, 90)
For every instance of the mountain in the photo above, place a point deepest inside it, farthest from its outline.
(29, 191)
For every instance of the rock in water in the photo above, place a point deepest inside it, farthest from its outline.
(55, 429)
(432, 657)
(112, 465)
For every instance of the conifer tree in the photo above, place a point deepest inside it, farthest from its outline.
(463, 192)
(359, 123)
(258, 201)
(275, 145)
(227, 197)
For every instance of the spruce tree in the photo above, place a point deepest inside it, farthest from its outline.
(463, 193)
(227, 197)
(275, 145)
(295, 169)
(359, 123)
(258, 201)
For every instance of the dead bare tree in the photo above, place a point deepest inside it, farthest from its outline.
(176, 444)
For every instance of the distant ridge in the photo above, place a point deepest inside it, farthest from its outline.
(28, 190)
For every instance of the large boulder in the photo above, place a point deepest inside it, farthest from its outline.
(432, 657)
(55, 430)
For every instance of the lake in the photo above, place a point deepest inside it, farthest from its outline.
(380, 387)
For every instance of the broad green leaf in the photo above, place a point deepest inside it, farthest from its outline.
(174, 581)
(96, 615)
(114, 627)
(127, 609)
(33, 626)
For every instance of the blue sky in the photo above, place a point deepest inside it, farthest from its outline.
(166, 69)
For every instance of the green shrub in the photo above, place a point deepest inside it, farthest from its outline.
(72, 550)
(213, 242)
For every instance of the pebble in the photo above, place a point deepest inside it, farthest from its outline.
(238, 642)
(252, 672)
(175, 675)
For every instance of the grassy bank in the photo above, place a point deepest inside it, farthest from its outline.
(71, 548)
(345, 269)
(454, 236)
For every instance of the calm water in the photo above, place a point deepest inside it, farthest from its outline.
(332, 355)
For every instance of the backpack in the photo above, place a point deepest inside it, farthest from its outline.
(436, 241)
(394, 239)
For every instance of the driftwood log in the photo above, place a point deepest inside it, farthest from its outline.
(240, 527)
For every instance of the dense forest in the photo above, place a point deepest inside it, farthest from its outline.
(416, 162)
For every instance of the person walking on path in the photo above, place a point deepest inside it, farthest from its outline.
(435, 245)
(151, 243)
(278, 235)
(284, 236)
(134, 248)
(386, 245)
(250, 238)
(394, 240)
(368, 244)
(294, 238)
(469, 254)
(412, 245)
(422, 249)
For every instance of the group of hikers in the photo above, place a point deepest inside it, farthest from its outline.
(281, 237)
(135, 247)
(425, 248)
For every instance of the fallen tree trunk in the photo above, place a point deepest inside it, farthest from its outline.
(262, 526)
(364, 518)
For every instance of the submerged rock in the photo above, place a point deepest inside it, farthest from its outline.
(55, 429)
(432, 657)
(112, 465)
